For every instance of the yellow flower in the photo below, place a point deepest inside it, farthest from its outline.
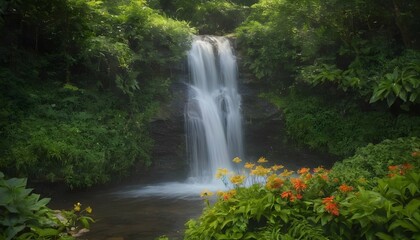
(77, 207)
(237, 179)
(249, 165)
(88, 209)
(206, 193)
(286, 173)
(262, 160)
(260, 171)
(277, 167)
(237, 160)
(221, 172)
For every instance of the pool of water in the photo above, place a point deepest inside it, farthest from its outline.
(136, 211)
(151, 209)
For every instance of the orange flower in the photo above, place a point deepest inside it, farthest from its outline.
(392, 168)
(299, 196)
(415, 154)
(318, 169)
(303, 170)
(332, 208)
(345, 188)
(330, 205)
(286, 194)
(325, 177)
(227, 195)
(407, 166)
(298, 184)
(275, 183)
(328, 199)
(399, 169)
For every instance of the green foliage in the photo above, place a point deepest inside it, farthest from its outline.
(389, 211)
(373, 160)
(20, 209)
(64, 137)
(216, 17)
(363, 47)
(313, 205)
(339, 127)
(23, 215)
(115, 61)
(403, 82)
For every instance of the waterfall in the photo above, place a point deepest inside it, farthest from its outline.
(213, 117)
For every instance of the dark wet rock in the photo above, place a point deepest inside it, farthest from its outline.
(167, 131)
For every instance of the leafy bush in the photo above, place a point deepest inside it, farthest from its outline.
(265, 203)
(339, 127)
(373, 160)
(77, 136)
(79, 85)
(23, 215)
(336, 44)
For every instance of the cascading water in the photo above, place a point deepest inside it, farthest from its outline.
(213, 118)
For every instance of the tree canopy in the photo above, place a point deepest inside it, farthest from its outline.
(370, 48)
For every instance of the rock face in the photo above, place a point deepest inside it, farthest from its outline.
(262, 121)
(167, 130)
(264, 131)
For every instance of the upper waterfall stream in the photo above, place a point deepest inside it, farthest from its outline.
(213, 117)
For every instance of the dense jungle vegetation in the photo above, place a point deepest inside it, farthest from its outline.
(81, 79)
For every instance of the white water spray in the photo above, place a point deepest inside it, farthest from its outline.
(213, 118)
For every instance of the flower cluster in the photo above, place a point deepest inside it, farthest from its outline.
(344, 188)
(331, 206)
(399, 169)
(288, 185)
(227, 195)
(274, 182)
(77, 207)
(221, 172)
(237, 179)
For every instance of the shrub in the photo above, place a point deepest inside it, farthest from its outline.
(340, 127)
(373, 160)
(23, 215)
(271, 204)
(75, 136)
